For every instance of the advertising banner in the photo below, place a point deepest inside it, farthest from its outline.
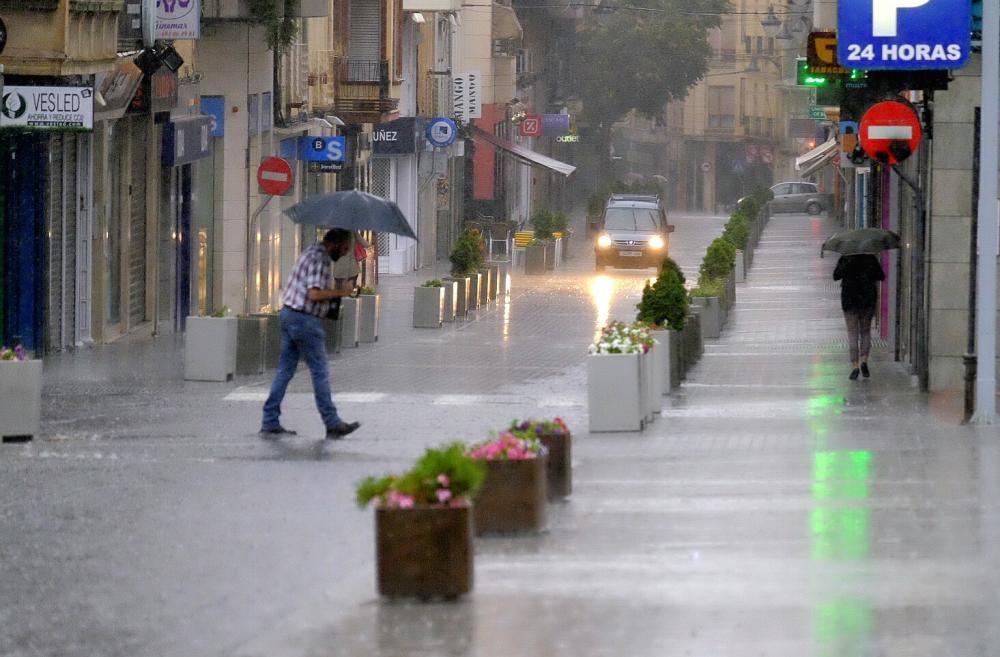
(47, 108)
(178, 19)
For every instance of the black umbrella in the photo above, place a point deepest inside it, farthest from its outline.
(861, 240)
(352, 210)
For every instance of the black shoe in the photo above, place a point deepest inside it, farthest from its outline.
(864, 370)
(276, 432)
(341, 430)
(854, 374)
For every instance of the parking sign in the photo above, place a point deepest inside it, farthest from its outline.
(904, 34)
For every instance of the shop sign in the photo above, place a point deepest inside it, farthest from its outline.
(215, 107)
(555, 124)
(47, 108)
(467, 99)
(441, 132)
(186, 140)
(117, 88)
(399, 137)
(178, 19)
(322, 154)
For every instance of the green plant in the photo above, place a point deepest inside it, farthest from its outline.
(276, 17)
(535, 241)
(443, 476)
(665, 302)
(542, 222)
(737, 231)
(434, 282)
(539, 427)
(15, 353)
(468, 253)
(221, 312)
(719, 260)
(752, 204)
(560, 222)
(367, 290)
(711, 287)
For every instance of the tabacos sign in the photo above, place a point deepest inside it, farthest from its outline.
(47, 108)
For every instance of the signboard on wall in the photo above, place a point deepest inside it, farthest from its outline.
(178, 19)
(467, 98)
(401, 136)
(187, 140)
(47, 108)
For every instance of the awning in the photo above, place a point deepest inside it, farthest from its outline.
(505, 23)
(816, 158)
(523, 154)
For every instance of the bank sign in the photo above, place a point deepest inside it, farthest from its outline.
(904, 34)
(47, 108)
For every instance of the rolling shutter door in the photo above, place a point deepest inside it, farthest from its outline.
(137, 228)
(61, 203)
(364, 40)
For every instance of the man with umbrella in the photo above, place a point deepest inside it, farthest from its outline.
(306, 301)
(859, 273)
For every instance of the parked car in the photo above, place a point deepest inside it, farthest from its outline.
(800, 197)
(633, 232)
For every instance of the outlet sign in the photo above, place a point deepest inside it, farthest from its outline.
(904, 34)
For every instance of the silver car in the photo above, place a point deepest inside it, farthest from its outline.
(633, 233)
(800, 197)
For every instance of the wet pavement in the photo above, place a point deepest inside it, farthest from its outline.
(774, 508)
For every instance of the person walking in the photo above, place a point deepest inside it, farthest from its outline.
(346, 269)
(306, 301)
(859, 276)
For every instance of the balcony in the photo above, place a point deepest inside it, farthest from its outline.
(361, 89)
(60, 37)
(432, 5)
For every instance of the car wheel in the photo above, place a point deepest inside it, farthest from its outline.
(813, 208)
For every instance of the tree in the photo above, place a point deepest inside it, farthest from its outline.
(640, 55)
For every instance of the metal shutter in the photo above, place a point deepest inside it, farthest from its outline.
(137, 228)
(365, 31)
(62, 242)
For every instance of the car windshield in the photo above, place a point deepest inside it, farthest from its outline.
(634, 219)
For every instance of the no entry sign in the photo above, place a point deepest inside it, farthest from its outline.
(274, 176)
(890, 131)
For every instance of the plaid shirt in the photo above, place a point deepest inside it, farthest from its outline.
(312, 269)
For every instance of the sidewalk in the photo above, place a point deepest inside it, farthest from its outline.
(775, 508)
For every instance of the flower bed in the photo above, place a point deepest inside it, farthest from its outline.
(513, 495)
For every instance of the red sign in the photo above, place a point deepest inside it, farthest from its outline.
(890, 131)
(531, 125)
(274, 176)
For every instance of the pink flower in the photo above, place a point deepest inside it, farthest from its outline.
(443, 479)
(443, 495)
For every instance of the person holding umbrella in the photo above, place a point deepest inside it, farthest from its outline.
(306, 301)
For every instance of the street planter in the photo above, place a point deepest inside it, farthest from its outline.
(461, 294)
(661, 362)
(614, 393)
(350, 322)
(424, 551)
(271, 327)
(332, 330)
(369, 314)
(692, 341)
(485, 284)
(676, 359)
(450, 300)
(249, 345)
(534, 259)
(650, 393)
(494, 281)
(210, 348)
(20, 399)
(474, 285)
(559, 464)
(710, 313)
(428, 307)
(550, 255)
(505, 268)
(512, 498)
(741, 267)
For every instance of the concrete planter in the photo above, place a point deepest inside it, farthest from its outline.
(450, 301)
(332, 331)
(559, 464)
(428, 307)
(210, 348)
(461, 294)
(614, 393)
(512, 498)
(694, 346)
(650, 392)
(494, 282)
(661, 362)
(271, 326)
(550, 255)
(369, 314)
(676, 362)
(425, 551)
(20, 399)
(474, 284)
(505, 268)
(485, 285)
(741, 267)
(350, 322)
(710, 313)
(249, 345)
(534, 260)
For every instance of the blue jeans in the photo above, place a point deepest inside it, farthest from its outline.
(302, 335)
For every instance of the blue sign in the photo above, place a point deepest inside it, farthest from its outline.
(186, 140)
(441, 132)
(904, 34)
(215, 106)
(555, 124)
(323, 149)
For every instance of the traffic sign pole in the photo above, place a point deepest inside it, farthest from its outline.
(986, 234)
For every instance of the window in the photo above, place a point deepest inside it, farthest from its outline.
(631, 219)
(721, 107)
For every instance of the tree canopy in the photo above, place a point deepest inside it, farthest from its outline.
(641, 54)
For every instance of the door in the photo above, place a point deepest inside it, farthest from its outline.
(137, 227)
(364, 41)
(61, 248)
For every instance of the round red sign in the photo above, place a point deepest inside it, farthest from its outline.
(890, 131)
(274, 176)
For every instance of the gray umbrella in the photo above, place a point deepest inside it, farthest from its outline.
(352, 210)
(861, 240)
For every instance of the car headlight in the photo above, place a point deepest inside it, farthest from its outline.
(656, 242)
(604, 241)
